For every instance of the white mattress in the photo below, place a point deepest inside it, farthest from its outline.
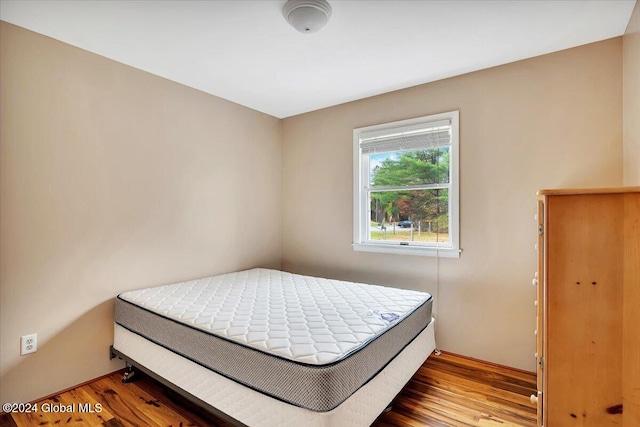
(256, 409)
(305, 319)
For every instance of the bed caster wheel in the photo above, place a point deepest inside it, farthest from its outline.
(129, 376)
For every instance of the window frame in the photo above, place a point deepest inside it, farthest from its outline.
(361, 200)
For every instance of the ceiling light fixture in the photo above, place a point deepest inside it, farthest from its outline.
(307, 16)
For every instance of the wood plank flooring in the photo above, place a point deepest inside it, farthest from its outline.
(448, 390)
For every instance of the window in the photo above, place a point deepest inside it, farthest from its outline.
(406, 187)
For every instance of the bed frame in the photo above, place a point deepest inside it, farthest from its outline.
(361, 409)
(129, 376)
(346, 385)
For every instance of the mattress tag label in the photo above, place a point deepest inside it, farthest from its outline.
(387, 317)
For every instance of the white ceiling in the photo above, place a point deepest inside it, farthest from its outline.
(245, 51)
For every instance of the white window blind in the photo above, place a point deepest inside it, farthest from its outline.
(410, 138)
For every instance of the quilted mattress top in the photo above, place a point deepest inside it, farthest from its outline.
(301, 318)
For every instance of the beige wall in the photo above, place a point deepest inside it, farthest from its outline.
(631, 99)
(114, 179)
(548, 122)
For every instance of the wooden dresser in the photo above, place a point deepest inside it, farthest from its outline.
(588, 327)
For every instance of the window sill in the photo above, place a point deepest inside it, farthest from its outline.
(399, 249)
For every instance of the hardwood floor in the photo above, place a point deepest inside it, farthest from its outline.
(448, 390)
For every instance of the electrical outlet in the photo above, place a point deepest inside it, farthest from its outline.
(28, 344)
